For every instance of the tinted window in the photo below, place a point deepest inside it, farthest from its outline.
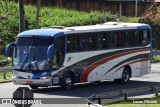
(100, 40)
(87, 41)
(36, 41)
(121, 39)
(131, 38)
(145, 37)
(104, 40)
(137, 38)
(126, 39)
(73, 43)
(59, 51)
(113, 39)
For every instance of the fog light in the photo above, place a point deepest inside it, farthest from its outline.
(44, 77)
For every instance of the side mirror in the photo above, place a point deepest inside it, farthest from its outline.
(50, 51)
(9, 49)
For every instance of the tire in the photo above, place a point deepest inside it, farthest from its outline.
(34, 87)
(68, 82)
(125, 76)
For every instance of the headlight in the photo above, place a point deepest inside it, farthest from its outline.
(14, 76)
(44, 77)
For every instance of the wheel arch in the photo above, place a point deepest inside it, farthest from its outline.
(72, 73)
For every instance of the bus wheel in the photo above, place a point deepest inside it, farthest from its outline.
(67, 82)
(125, 75)
(34, 86)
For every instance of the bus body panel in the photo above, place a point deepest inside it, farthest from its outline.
(109, 69)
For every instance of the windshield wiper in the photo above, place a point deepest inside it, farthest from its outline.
(21, 66)
(30, 52)
(34, 59)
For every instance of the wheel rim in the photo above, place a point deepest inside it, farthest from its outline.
(68, 81)
(126, 76)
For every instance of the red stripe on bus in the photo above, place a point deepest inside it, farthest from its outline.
(90, 68)
(140, 60)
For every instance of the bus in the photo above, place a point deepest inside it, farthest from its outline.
(64, 56)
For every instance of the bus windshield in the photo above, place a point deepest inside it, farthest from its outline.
(30, 53)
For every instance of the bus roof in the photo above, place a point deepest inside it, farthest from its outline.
(109, 26)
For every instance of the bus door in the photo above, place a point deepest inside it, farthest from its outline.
(59, 52)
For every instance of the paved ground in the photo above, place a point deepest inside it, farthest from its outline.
(84, 90)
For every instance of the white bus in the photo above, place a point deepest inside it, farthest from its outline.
(68, 55)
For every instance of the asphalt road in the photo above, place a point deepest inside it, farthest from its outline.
(83, 90)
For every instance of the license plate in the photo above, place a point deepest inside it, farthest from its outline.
(29, 82)
(55, 80)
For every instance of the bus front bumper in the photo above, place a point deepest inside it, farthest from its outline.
(39, 82)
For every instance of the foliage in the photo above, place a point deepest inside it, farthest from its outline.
(2, 57)
(49, 16)
(8, 24)
(133, 19)
(8, 77)
(130, 19)
(156, 58)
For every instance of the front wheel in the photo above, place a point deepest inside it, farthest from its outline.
(67, 82)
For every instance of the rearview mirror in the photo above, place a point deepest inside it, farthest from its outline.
(9, 50)
(50, 51)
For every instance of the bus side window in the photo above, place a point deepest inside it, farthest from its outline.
(131, 38)
(87, 41)
(115, 39)
(59, 51)
(73, 44)
(106, 39)
(110, 39)
(145, 37)
(100, 41)
(136, 38)
(126, 39)
(121, 39)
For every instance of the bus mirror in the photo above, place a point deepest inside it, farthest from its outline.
(50, 51)
(9, 50)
